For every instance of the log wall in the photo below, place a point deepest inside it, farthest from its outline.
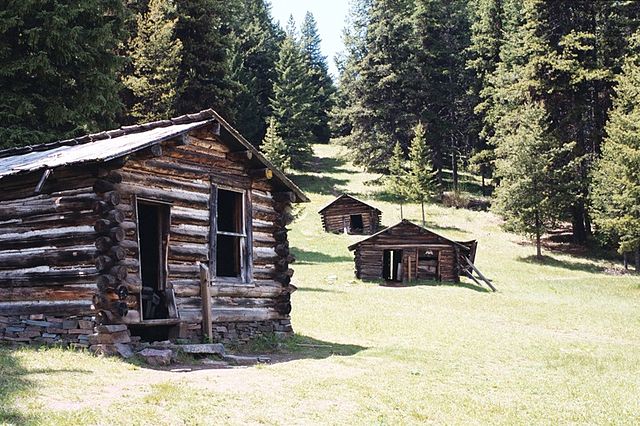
(337, 215)
(47, 247)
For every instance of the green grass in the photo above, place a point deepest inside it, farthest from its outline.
(559, 343)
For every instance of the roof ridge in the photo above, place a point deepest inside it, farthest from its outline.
(109, 134)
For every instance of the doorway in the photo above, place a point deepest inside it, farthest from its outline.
(356, 224)
(392, 265)
(153, 233)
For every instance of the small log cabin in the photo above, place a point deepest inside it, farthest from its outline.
(179, 224)
(348, 214)
(407, 252)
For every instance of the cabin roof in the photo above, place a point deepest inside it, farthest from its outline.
(112, 144)
(343, 196)
(408, 238)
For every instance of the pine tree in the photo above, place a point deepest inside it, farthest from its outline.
(292, 99)
(616, 176)
(274, 148)
(256, 41)
(421, 181)
(58, 69)
(397, 181)
(204, 79)
(156, 57)
(319, 75)
(532, 169)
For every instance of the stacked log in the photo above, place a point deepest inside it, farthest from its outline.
(112, 283)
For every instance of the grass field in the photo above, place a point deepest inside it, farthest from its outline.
(559, 343)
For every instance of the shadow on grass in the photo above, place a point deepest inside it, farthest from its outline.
(300, 347)
(321, 184)
(12, 383)
(564, 264)
(304, 257)
(433, 283)
(316, 290)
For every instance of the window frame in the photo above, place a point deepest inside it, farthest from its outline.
(245, 243)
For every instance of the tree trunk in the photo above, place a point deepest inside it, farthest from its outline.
(577, 221)
(401, 212)
(538, 232)
(637, 259)
(454, 170)
(484, 191)
(424, 222)
(625, 261)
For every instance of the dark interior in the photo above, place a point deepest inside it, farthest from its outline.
(228, 240)
(152, 223)
(428, 264)
(390, 261)
(356, 223)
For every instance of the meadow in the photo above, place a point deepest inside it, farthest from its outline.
(558, 343)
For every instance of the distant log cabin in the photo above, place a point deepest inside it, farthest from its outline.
(348, 214)
(178, 224)
(407, 252)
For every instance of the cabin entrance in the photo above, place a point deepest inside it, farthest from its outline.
(392, 265)
(153, 241)
(356, 224)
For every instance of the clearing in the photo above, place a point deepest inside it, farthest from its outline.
(559, 343)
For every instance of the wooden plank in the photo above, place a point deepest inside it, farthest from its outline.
(207, 326)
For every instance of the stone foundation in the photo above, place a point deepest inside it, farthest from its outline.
(72, 331)
(243, 332)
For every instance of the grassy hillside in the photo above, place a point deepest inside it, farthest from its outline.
(559, 343)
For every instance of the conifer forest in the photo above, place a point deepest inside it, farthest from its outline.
(539, 97)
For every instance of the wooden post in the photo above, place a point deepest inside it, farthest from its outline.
(205, 295)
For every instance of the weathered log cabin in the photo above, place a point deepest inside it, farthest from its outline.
(407, 252)
(350, 215)
(179, 224)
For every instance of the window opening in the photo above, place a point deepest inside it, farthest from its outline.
(231, 236)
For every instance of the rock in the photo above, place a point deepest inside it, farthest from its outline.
(112, 338)
(124, 350)
(35, 323)
(69, 324)
(205, 349)
(84, 324)
(103, 350)
(156, 356)
(110, 328)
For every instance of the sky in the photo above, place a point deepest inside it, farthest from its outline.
(329, 14)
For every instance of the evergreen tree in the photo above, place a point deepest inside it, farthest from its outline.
(292, 99)
(274, 148)
(256, 42)
(381, 84)
(616, 176)
(421, 182)
(156, 57)
(319, 75)
(204, 28)
(532, 169)
(58, 68)
(397, 181)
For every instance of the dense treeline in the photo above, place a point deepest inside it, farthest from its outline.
(70, 69)
(521, 87)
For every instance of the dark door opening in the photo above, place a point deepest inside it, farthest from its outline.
(356, 224)
(392, 265)
(153, 231)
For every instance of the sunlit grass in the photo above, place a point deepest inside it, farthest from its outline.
(559, 343)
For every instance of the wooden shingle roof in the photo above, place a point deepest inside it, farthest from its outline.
(342, 197)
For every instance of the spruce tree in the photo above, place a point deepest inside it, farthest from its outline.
(274, 148)
(319, 75)
(156, 57)
(293, 98)
(397, 180)
(254, 53)
(616, 176)
(421, 180)
(204, 81)
(58, 68)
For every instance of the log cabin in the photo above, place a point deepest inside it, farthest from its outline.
(349, 215)
(407, 252)
(176, 226)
